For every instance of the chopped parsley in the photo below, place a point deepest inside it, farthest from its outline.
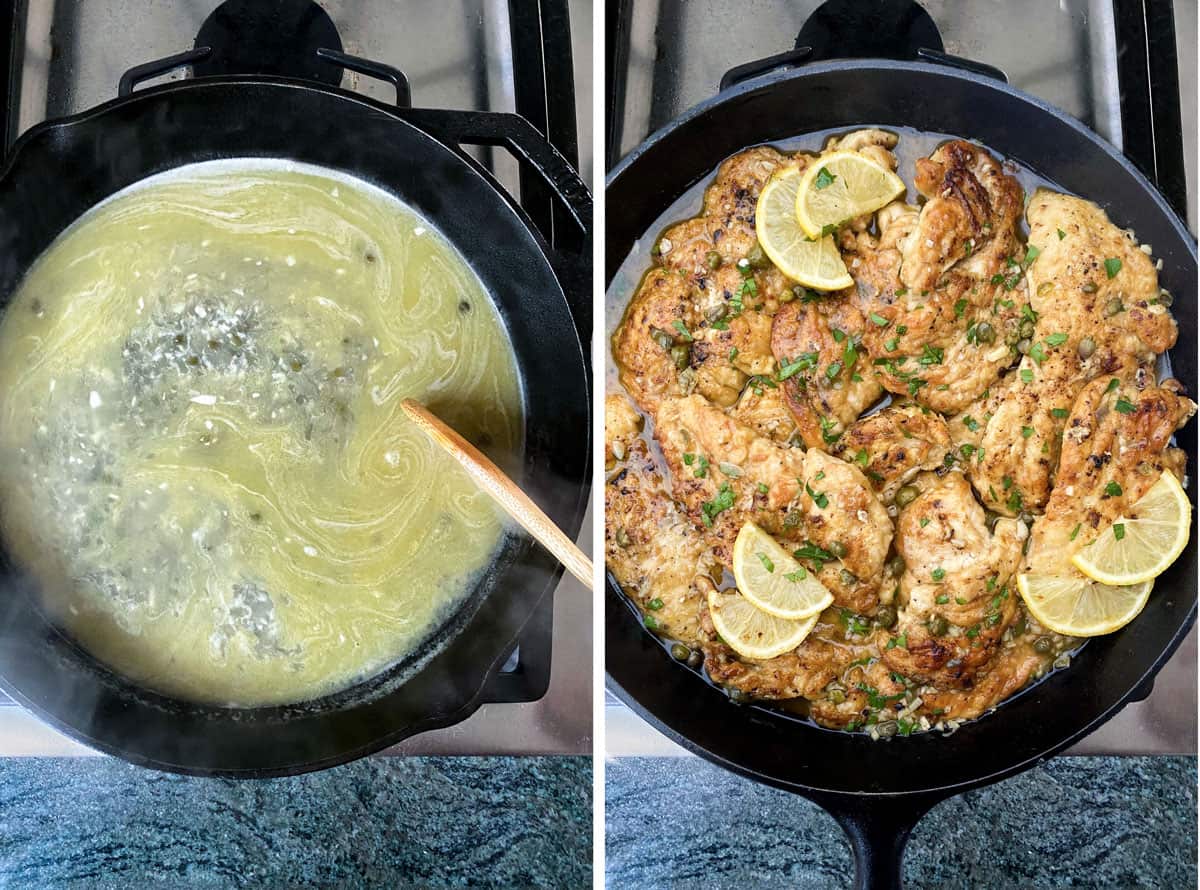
(1124, 406)
(1037, 353)
(819, 497)
(1112, 384)
(722, 502)
(1119, 530)
(1056, 339)
(932, 355)
(833, 370)
(1061, 234)
(879, 319)
(1060, 413)
(942, 600)
(1026, 375)
(1112, 266)
(683, 331)
(824, 179)
(1075, 531)
(766, 562)
(970, 423)
(1031, 254)
(1112, 489)
(806, 361)
(900, 642)
(1026, 431)
(856, 624)
(762, 488)
(733, 354)
(797, 576)
(938, 574)
(960, 307)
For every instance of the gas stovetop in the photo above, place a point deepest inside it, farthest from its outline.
(1125, 68)
(532, 57)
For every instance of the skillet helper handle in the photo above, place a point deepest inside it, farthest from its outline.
(370, 68)
(878, 828)
(158, 67)
(570, 245)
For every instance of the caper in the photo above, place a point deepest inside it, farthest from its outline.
(662, 338)
(1013, 337)
(1043, 645)
(907, 495)
(757, 258)
(837, 696)
(985, 333)
(1019, 628)
(622, 538)
(680, 652)
(792, 519)
(895, 565)
(1023, 345)
(1089, 288)
(1113, 307)
(716, 313)
(1165, 298)
(798, 292)
(848, 578)
(886, 616)
(695, 659)
(1026, 327)
(193, 360)
(682, 356)
(887, 729)
(738, 697)
(655, 604)
(712, 259)
(838, 549)
(651, 622)
(1087, 346)
(938, 625)
(787, 296)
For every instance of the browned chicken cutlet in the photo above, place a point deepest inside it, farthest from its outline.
(652, 550)
(725, 474)
(943, 286)
(1096, 311)
(817, 345)
(894, 444)
(1115, 447)
(956, 594)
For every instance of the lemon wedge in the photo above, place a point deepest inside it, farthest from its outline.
(840, 186)
(771, 578)
(816, 264)
(1141, 546)
(1079, 607)
(751, 632)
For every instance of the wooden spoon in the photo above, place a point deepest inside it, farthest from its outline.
(491, 479)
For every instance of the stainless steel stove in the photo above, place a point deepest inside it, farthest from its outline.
(533, 57)
(1126, 68)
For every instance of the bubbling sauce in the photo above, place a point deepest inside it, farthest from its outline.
(205, 464)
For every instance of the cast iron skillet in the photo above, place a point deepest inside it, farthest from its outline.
(60, 169)
(878, 790)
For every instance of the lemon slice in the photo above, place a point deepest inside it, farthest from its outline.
(840, 186)
(751, 632)
(816, 264)
(1079, 607)
(771, 579)
(1143, 545)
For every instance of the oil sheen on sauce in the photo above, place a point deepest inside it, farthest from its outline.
(205, 465)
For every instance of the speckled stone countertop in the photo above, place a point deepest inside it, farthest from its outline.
(1119, 822)
(382, 822)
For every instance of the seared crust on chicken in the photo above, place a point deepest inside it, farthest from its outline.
(1086, 324)
(895, 444)
(817, 345)
(1115, 447)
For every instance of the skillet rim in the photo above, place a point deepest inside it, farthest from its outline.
(616, 599)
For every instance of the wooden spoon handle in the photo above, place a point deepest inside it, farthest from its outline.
(492, 479)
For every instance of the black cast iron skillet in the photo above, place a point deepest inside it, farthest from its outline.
(878, 790)
(60, 169)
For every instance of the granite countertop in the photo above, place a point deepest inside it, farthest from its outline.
(1117, 822)
(381, 822)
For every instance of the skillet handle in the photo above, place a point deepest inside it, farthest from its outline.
(878, 828)
(158, 67)
(571, 244)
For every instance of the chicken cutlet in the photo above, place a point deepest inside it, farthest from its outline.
(1095, 310)
(943, 285)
